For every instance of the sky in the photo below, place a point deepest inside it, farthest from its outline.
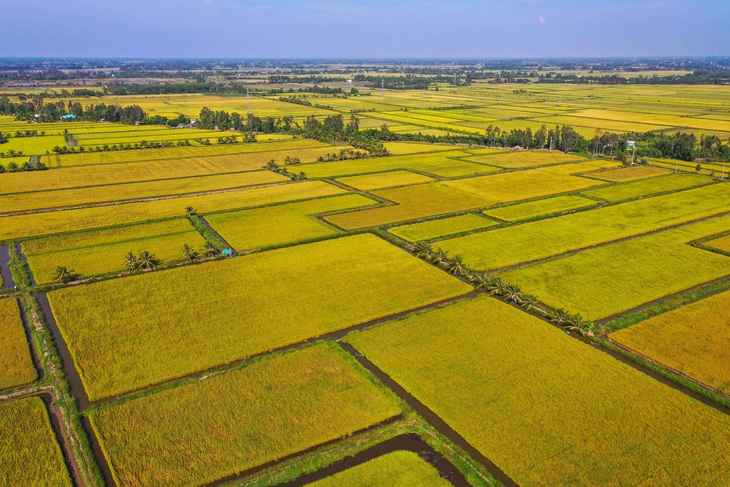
(364, 29)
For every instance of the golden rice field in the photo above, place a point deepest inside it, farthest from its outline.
(631, 173)
(29, 454)
(16, 365)
(149, 330)
(430, 229)
(693, 339)
(511, 160)
(384, 180)
(541, 207)
(102, 251)
(546, 408)
(204, 431)
(402, 148)
(400, 468)
(282, 224)
(647, 187)
(19, 226)
(636, 271)
(132, 191)
(517, 244)
(722, 243)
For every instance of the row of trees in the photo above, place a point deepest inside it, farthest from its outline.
(37, 165)
(496, 286)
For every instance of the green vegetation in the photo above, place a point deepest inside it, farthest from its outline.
(628, 173)
(693, 339)
(647, 187)
(542, 207)
(206, 430)
(16, 366)
(130, 333)
(397, 469)
(439, 228)
(546, 408)
(29, 454)
(384, 180)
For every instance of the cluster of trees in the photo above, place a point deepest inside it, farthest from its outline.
(303, 101)
(344, 155)
(143, 144)
(36, 165)
(273, 166)
(496, 286)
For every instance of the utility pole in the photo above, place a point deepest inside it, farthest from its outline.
(454, 79)
(382, 87)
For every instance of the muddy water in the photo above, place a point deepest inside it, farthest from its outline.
(8, 281)
(410, 442)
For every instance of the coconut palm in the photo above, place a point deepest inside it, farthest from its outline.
(189, 252)
(64, 275)
(481, 280)
(422, 250)
(579, 324)
(209, 250)
(512, 292)
(130, 261)
(148, 261)
(457, 266)
(440, 256)
(560, 317)
(529, 301)
(497, 286)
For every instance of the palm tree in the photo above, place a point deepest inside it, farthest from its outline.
(130, 261)
(147, 260)
(64, 275)
(189, 252)
(529, 301)
(512, 292)
(560, 317)
(579, 324)
(422, 250)
(497, 287)
(190, 211)
(482, 281)
(440, 256)
(209, 250)
(456, 266)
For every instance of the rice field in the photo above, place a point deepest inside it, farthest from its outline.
(519, 159)
(722, 243)
(636, 272)
(631, 173)
(647, 187)
(19, 226)
(102, 251)
(503, 247)
(134, 191)
(282, 224)
(538, 208)
(546, 408)
(16, 365)
(383, 180)
(431, 229)
(149, 329)
(207, 430)
(29, 454)
(693, 339)
(400, 468)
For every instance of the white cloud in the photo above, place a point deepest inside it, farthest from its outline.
(541, 20)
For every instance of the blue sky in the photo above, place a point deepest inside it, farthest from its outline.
(364, 29)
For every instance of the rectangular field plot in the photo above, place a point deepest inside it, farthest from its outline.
(412, 202)
(544, 407)
(204, 431)
(628, 173)
(693, 339)
(532, 209)
(16, 365)
(120, 192)
(401, 468)
(149, 331)
(29, 454)
(518, 159)
(722, 243)
(87, 218)
(602, 282)
(401, 148)
(281, 224)
(647, 187)
(443, 227)
(503, 247)
(112, 157)
(102, 251)
(385, 180)
(442, 164)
